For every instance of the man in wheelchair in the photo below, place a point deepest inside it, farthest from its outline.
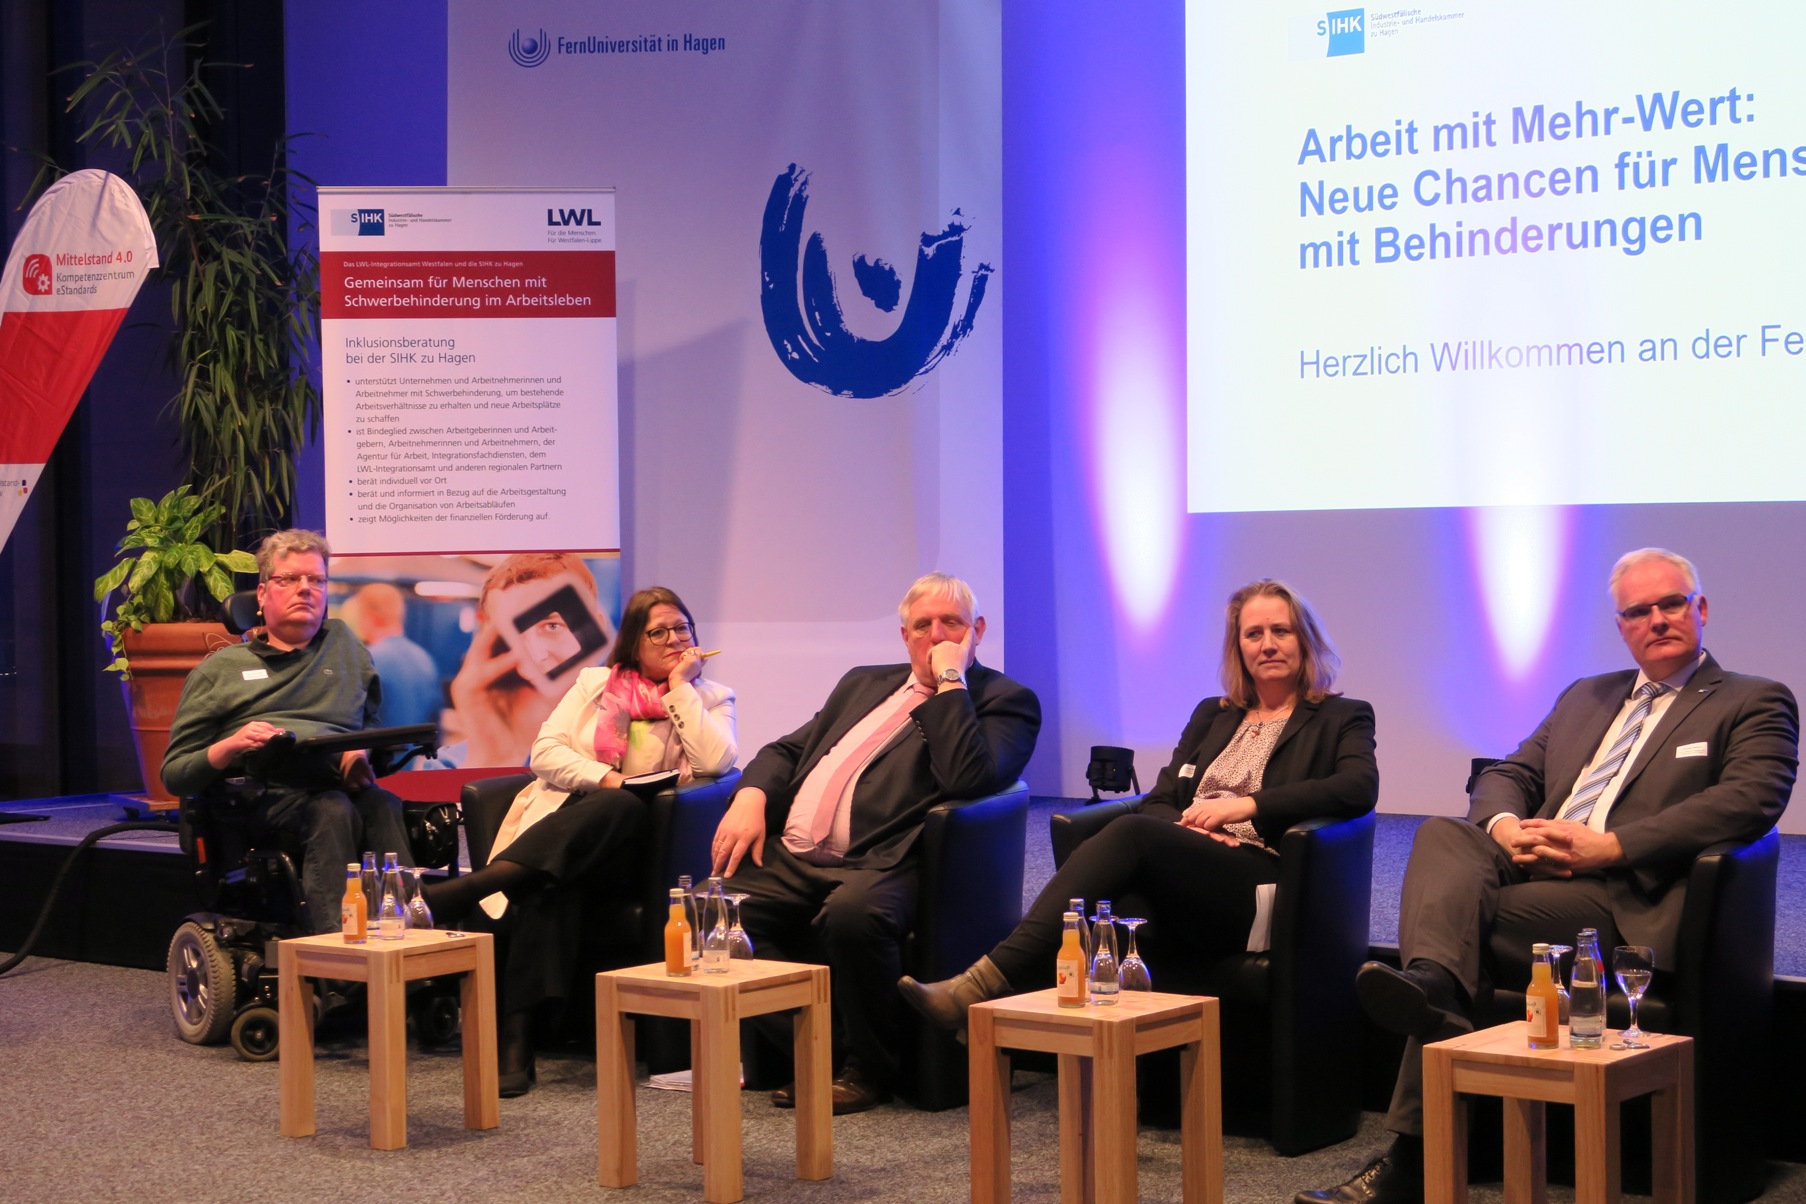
(299, 675)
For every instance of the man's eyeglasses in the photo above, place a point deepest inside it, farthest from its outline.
(663, 635)
(291, 580)
(1671, 608)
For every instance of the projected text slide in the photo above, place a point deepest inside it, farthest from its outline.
(1495, 254)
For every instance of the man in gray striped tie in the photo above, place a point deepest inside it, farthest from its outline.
(1592, 823)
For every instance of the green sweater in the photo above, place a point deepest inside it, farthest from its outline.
(326, 687)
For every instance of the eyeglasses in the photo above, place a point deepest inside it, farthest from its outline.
(1671, 607)
(662, 635)
(291, 580)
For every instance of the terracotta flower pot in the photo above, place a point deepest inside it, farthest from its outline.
(162, 655)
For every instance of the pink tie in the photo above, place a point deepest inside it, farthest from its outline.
(823, 820)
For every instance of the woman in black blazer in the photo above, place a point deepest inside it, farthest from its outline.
(1276, 749)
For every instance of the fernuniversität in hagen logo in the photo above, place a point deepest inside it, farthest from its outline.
(529, 49)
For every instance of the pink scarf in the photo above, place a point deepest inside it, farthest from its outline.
(626, 697)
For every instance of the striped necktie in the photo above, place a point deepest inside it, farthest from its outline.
(1579, 807)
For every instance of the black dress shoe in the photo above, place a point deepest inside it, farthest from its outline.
(1385, 1180)
(515, 1072)
(785, 1096)
(1414, 1002)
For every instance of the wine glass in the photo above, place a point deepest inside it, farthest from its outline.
(1632, 966)
(418, 915)
(1556, 953)
(1134, 971)
(739, 945)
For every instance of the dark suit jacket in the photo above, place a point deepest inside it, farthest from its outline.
(962, 744)
(1322, 767)
(1742, 735)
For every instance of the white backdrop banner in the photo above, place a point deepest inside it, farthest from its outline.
(468, 350)
(810, 223)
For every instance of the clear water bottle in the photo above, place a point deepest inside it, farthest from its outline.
(391, 919)
(372, 887)
(715, 940)
(1105, 976)
(1586, 993)
(691, 906)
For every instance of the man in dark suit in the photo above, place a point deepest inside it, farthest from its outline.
(830, 815)
(1592, 823)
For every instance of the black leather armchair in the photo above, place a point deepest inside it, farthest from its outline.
(970, 858)
(1721, 993)
(626, 927)
(971, 897)
(1291, 1022)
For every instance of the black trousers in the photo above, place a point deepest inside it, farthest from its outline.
(336, 828)
(1467, 908)
(1196, 893)
(851, 920)
(594, 842)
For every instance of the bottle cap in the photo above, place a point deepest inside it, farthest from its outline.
(1539, 950)
(1071, 917)
(677, 892)
(351, 867)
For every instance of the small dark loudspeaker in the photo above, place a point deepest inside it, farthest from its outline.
(1111, 769)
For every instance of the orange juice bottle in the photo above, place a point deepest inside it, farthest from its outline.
(354, 912)
(1069, 970)
(677, 937)
(1542, 1001)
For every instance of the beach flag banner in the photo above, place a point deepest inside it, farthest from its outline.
(74, 268)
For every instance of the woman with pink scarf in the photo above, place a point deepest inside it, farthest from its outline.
(648, 709)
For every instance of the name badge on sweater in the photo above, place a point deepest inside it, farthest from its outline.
(1186, 771)
(1691, 750)
(256, 674)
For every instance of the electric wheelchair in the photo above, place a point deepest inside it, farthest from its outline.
(222, 959)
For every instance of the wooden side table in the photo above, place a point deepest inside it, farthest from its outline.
(714, 1004)
(386, 967)
(1498, 1061)
(1097, 1047)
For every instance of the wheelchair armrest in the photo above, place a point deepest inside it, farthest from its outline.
(485, 803)
(971, 880)
(1067, 830)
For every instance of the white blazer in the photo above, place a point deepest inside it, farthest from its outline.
(564, 753)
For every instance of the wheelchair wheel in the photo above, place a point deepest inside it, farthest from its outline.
(202, 986)
(254, 1034)
(435, 1017)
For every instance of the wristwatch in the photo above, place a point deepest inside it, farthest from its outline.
(949, 676)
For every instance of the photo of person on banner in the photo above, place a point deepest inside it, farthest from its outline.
(538, 624)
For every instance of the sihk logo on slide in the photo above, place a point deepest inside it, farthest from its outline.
(807, 326)
(529, 50)
(1345, 30)
(36, 279)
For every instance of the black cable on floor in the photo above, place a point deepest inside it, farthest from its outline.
(62, 877)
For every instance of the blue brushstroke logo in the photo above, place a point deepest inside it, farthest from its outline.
(529, 51)
(803, 317)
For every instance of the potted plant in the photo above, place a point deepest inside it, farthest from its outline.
(244, 293)
(160, 629)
